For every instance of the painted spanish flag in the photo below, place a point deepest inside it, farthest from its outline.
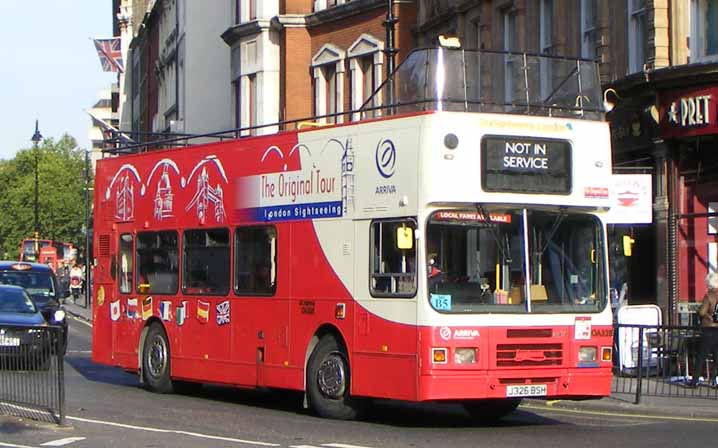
(202, 311)
(146, 308)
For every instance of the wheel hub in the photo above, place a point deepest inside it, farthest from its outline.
(331, 376)
(158, 357)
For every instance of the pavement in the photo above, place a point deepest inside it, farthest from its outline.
(617, 403)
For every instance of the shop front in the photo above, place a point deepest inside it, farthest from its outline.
(666, 123)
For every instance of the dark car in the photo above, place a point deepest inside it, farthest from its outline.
(25, 340)
(40, 282)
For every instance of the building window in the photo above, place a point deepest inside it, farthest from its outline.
(157, 262)
(255, 261)
(637, 38)
(328, 82)
(252, 91)
(393, 267)
(125, 267)
(589, 30)
(237, 95)
(704, 30)
(365, 63)
(245, 10)
(205, 262)
(510, 63)
(546, 45)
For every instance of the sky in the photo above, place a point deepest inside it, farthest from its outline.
(49, 69)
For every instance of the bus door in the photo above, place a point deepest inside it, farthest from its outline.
(204, 329)
(106, 307)
(125, 308)
(261, 334)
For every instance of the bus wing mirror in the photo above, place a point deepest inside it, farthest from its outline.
(628, 245)
(404, 238)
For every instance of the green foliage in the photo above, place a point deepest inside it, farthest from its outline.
(61, 199)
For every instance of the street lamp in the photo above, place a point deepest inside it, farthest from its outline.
(36, 137)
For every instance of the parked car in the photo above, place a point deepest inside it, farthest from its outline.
(25, 340)
(41, 284)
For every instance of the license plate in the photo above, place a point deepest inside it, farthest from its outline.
(526, 390)
(6, 341)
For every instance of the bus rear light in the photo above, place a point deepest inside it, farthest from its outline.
(606, 353)
(438, 355)
(587, 354)
(465, 355)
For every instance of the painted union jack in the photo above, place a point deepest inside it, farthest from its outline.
(110, 53)
(223, 313)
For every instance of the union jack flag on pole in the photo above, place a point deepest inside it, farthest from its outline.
(110, 53)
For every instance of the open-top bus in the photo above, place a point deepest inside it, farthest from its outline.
(449, 247)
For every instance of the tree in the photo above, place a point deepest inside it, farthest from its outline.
(60, 195)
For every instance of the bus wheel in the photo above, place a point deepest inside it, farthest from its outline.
(491, 409)
(328, 380)
(156, 360)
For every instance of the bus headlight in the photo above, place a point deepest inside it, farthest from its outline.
(587, 354)
(465, 355)
(59, 316)
(438, 355)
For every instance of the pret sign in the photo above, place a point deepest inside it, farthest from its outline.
(525, 165)
(688, 112)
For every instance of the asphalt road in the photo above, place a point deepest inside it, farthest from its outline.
(106, 407)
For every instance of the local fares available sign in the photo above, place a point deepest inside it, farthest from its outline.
(525, 165)
(688, 112)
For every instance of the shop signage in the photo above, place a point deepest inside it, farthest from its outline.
(525, 165)
(688, 112)
(631, 199)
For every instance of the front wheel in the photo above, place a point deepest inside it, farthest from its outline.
(491, 409)
(328, 381)
(156, 360)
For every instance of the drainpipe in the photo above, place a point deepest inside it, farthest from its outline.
(389, 49)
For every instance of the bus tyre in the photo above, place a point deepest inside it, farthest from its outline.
(328, 381)
(156, 360)
(491, 409)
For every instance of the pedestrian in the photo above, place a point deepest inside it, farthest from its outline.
(708, 314)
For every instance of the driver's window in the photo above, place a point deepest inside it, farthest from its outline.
(125, 266)
(393, 263)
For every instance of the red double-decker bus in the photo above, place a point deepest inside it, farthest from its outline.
(30, 249)
(449, 248)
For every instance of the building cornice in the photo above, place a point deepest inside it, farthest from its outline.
(343, 11)
(673, 77)
(235, 33)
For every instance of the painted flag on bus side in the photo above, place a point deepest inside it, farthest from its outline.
(147, 308)
(181, 313)
(223, 313)
(115, 310)
(202, 311)
(165, 311)
(131, 308)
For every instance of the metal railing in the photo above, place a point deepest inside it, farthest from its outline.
(660, 361)
(31, 372)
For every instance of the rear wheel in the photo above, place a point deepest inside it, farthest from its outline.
(328, 381)
(156, 360)
(491, 409)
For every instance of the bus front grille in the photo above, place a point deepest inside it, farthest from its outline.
(523, 355)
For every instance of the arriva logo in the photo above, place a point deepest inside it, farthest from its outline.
(385, 157)
(466, 334)
(445, 333)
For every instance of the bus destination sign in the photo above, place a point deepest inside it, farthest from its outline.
(525, 165)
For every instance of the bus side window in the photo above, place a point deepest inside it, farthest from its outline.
(393, 262)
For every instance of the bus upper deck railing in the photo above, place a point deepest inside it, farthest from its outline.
(438, 79)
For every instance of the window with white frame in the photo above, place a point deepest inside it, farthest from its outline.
(365, 65)
(545, 45)
(510, 44)
(589, 32)
(324, 4)
(704, 30)
(245, 10)
(637, 37)
(328, 81)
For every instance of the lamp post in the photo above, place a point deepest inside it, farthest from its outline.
(36, 137)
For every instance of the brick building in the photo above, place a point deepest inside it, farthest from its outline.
(292, 60)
